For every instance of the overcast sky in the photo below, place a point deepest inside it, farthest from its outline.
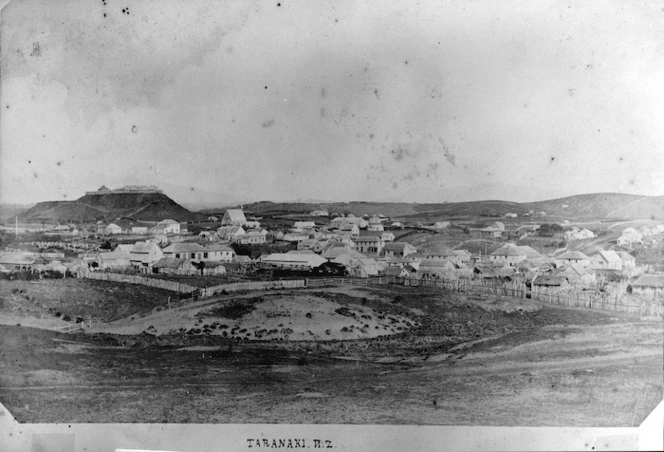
(342, 100)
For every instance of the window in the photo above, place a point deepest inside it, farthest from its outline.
(193, 255)
(177, 255)
(205, 255)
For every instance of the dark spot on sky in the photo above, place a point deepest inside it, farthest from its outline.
(125, 11)
(570, 91)
(29, 161)
(376, 93)
(395, 185)
(598, 130)
(268, 124)
(191, 189)
(265, 86)
(7, 107)
(406, 62)
(371, 135)
(59, 163)
(621, 159)
(233, 121)
(525, 105)
(278, 4)
(551, 160)
(399, 153)
(336, 21)
(36, 50)
(134, 129)
(35, 175)
(323, 93)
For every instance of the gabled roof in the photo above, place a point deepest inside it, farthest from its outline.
(184, 248)
(649, 281)
(169, 262)
(167, 222)
(437, 263)
(572, 255)
(217, 247)
(337, 251)
(398, 246)
(235, 215)
(609, 256)
(368, 239)
(144, 247)
(113, 255)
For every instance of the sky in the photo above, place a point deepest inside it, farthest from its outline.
(428, 101)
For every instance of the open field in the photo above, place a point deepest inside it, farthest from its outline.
(101, 300)
(463, 360)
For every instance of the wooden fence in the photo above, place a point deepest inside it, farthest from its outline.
(178, 287)
(590, 300)
(172, 286)
(325, 282)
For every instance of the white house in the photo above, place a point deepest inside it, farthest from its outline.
(303, 225)
(217, 252)
(230, 233)
(113, 228)
(167, 226)
(629, 237)
(144, 254)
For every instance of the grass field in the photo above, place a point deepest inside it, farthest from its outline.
(100, 300)
(465, 361)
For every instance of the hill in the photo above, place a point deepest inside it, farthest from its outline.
(107, 207)
(587, 206)
(603, 205)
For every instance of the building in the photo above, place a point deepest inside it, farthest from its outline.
(630, 237)
(230, 233)
(369, 244)
(251, 238)
(649, 285)
(606, 260)
(166, 227)
(233, 217)
(188, 250)
(139, 230)
(573, 257)
(511, 254)
(217, 252)
(303, 225)
(114, 260)
(112, 228)
(173, 266)
(320, 213)
(311, 245)
(144, 254)
(293, 261)
(398, 249)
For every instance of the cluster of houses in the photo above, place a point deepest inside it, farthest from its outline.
(346, 245)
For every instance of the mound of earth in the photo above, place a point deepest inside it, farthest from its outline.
(275, 317)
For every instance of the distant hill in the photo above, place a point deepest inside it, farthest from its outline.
(603, 205)
(599, 205)
(108, 207)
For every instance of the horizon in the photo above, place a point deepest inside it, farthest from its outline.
(460, 102)
(208, 206)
